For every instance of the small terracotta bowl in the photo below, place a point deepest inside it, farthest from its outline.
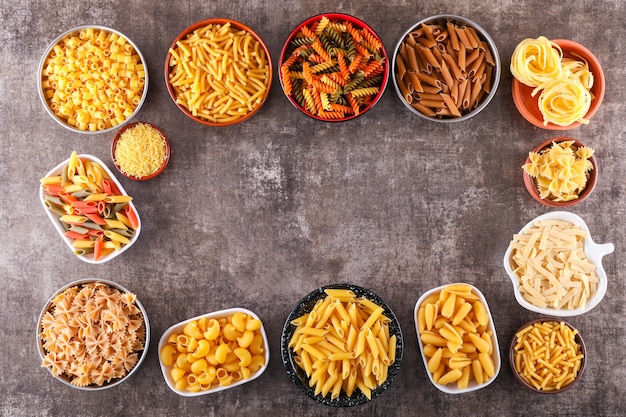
(154, 173)
(528, 105)
(531, 186)
(577, 339)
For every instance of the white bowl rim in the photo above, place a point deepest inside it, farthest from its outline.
(594, 253)
(114, 285)
(494, 52)
(57, 224)
(214, 314)
(473, 386)
(40, 81)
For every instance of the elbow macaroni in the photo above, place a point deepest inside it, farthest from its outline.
(214, 352)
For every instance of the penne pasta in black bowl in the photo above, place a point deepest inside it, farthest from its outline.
(342, 345)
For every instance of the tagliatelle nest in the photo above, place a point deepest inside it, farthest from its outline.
(560, 172)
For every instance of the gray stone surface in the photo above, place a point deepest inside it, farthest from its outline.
(260, 214)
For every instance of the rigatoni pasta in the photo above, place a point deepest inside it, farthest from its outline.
(219, 73)
(444, 69)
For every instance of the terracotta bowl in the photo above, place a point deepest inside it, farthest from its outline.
(175, 95)
(577, 338)
(528, 105)
(529, 182)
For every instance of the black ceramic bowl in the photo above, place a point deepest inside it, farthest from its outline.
(299, 377)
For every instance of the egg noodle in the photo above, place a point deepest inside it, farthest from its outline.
(564, 83)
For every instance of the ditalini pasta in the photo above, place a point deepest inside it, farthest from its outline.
(550, 262)
(453, 326)
(92, 334)
(219, 73)
(332, 68)
(93, 79)
(90, 207)
(560, 171)
(214, 352)
(563, 84)
(343, 343)
(444, 70)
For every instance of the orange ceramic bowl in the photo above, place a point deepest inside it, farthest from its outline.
(154, 173)
(531, 186)
(257, 102)
(528, 105)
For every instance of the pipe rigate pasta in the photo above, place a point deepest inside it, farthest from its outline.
(214, 352)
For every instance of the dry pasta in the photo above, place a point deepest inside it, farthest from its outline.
(219, 73)
(333, 69)
(93, 79)
(444, 70)
(547, 355)
(92, 210)
(550, 262)
(561, 171)
(92, 334)
(140, 150)
(211, 352)
(343, 344)
(564, 84)
(453, 326)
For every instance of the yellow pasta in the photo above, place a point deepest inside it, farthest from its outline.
(453, 326)
(203, 357)
(219, 73)
(93, 79)
(550, 262)
(564, 84)
(344, 359)
(547, 355)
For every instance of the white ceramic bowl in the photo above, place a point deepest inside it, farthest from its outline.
(178, 328)
(594, 253)
(89, 258)
(473, 385)
(113, 382)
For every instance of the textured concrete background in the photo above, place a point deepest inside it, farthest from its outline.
(260, 214)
